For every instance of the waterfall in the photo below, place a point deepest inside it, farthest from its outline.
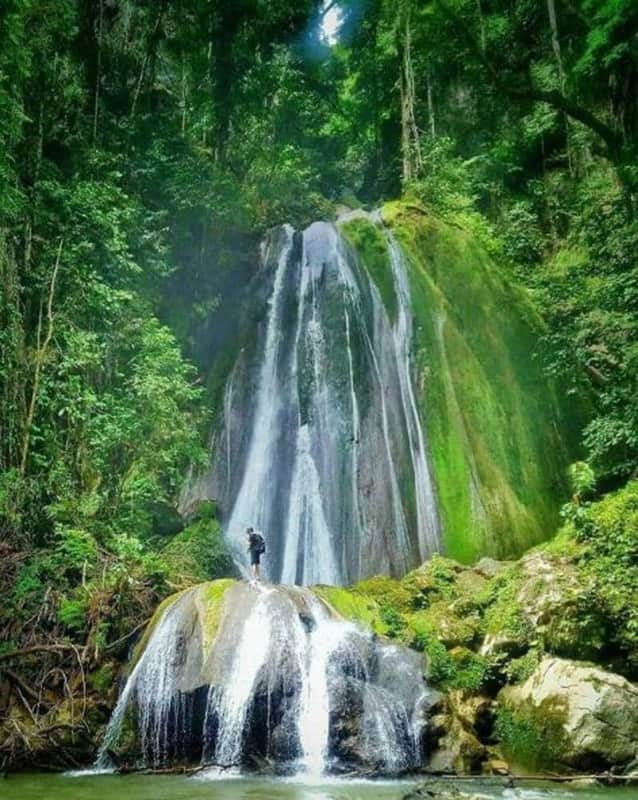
(427, 514)
(285, 681)
(252, 499)
(322, 448)
(151, 688)
(335, 468)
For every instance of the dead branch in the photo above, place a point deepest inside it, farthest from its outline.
(37, 648)
(20, 683)
(128, 635)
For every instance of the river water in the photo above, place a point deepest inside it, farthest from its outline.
(173, 787)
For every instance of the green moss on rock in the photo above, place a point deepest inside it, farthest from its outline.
(208, 599)
(495, 429)
(199, 552)
(354, 606)
(159, 613)
(441, 620)
(386, 592)
(370, 244)
(209, 605)
(436, 579)
(531, 738)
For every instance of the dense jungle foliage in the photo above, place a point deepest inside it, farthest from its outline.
(146, 144)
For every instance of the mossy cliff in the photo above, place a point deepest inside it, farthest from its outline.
(499, 443)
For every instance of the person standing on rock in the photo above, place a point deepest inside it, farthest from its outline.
(256, 548)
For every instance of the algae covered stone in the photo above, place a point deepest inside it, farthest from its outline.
(572, 714)
(536, 602)
(240, 674)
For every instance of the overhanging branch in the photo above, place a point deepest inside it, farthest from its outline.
(552, 97)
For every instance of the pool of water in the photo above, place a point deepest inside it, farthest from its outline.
(211, 787)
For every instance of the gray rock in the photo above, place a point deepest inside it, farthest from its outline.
(590, 715)
(439, 790)
(548, 587)
(459, 750)
(490, 567)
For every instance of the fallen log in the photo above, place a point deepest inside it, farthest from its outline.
(37, 648)
(606, 778)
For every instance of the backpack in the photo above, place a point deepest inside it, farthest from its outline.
(257, 543)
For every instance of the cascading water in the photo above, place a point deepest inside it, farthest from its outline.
(322, 448)
(334, 465)
(284, 681)
(427, 516)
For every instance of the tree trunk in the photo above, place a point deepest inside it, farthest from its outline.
(10, 354)
(184, 96)
(98, 72)
(412, 161)
(149, 56)
(553, 24)
(40, 356)
(431, 114)
(479, 8)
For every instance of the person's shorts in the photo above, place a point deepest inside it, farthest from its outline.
(255, 556)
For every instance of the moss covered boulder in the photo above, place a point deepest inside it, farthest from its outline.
(537, 601)
(570, 714)
(199, 552)
(241, 674)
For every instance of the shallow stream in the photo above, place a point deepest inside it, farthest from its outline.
(202, 787)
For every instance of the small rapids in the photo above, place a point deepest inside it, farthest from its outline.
(268, 678)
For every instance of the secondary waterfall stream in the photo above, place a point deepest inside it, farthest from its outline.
(322, 448)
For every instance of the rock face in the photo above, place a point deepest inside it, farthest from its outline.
(458, 748)
(237, 675)
(322, 445)
(582, 717)
(542, 607)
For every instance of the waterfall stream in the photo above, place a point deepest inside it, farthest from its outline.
(333, 465)
(285, 681)
(322, 448)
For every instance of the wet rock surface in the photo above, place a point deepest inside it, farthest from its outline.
(264, 675)
(440, 790)
(460, 719)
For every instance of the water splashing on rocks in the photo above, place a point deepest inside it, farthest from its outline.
(284, 684)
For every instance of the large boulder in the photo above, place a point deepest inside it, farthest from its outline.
(238, 674)
(571, 714)
(537, 603)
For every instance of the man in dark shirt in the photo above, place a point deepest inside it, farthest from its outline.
(256, 548)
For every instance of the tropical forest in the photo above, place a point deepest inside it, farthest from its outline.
(319, 399)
